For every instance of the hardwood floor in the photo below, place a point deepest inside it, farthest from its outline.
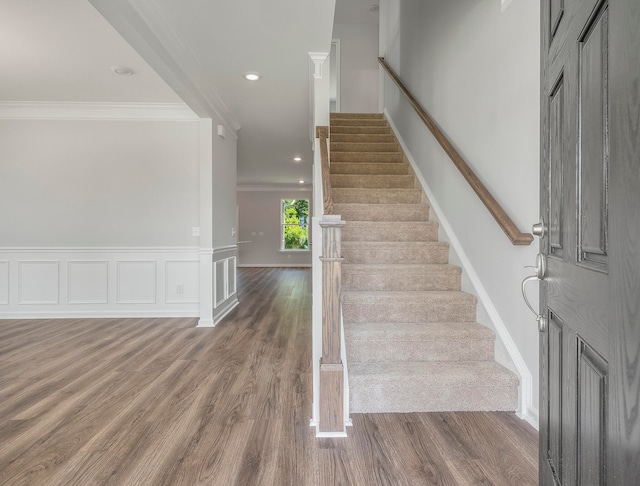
(161, 402)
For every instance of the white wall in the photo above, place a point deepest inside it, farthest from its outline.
(358, 67)
(224, 189)
(101, 183)
(260, 213)
(476, 71)
(96, 217)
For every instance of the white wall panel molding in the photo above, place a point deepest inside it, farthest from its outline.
(225, 297)
(4, 282)
(88, 282)
(181, 281)
(136, 282)
(38, 282)
(99, 282)
(27, 110)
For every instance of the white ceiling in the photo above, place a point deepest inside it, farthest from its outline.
(63, 50)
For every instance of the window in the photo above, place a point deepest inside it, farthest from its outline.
(294, 215)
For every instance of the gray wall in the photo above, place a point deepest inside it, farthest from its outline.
(98, 183)
(476, 71)
(260, 212)
(358, 67)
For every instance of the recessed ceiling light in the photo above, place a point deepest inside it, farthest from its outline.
(252, 76)
(297, 159)
(122, 70)
(301, 181)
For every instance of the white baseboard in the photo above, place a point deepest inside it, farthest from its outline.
(526, 409)
(274, 265)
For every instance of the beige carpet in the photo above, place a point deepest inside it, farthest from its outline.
(412, 341)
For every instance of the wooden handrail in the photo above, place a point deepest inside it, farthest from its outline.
(322, 133)
(504, 221)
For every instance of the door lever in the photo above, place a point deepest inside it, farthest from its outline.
(541, 269)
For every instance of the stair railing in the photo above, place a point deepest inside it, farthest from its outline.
(322, 133)
(499, 214)
(332, 373)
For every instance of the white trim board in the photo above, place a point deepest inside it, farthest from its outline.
(274, 265)
(526, 408)
(41, 110)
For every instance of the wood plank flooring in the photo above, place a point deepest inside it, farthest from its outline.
(161, 402)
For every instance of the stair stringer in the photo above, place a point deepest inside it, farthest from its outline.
(506, 353)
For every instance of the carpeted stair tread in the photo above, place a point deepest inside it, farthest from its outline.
(431, 386)
(390, 231)
(370, 168)
(416, 331)
(343, 114)
(366, 157)
(411, 341)
(364, 147)
(372, 181)
(398, 277)
(362, 138)
(382, 212)
(394, 252)
(355, 129)
(407, 306)
(359, 122)
(376, 196)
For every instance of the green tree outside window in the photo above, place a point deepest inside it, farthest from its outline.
(295, 224)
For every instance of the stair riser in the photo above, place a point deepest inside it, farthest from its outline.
(382, 231)
(344, 115)
(362, 138)
(413, 397)
(372, 181)
(363, 147)
(376, 196)
(363, 122)
(435, 255)
(392, 350)
(396, 280)
(336, 129)
(385, 157)
(418, 213)
(408, 312)
(366, 168)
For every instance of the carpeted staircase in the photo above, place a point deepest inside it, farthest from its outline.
(412, 340)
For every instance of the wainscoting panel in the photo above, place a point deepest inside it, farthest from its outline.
(38, 282)
(136, 282)
(225, 296)
(99, 282)
(181, 282)
(88, 282)
(4, 282)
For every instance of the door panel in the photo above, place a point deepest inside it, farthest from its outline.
(590, 199)
(593, 157)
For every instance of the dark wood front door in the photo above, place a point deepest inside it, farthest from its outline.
(590, 202)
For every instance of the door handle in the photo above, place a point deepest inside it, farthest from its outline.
(539, 229)
(541, 269)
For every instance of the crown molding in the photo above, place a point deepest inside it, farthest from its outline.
(45, 110)
(147, 30)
